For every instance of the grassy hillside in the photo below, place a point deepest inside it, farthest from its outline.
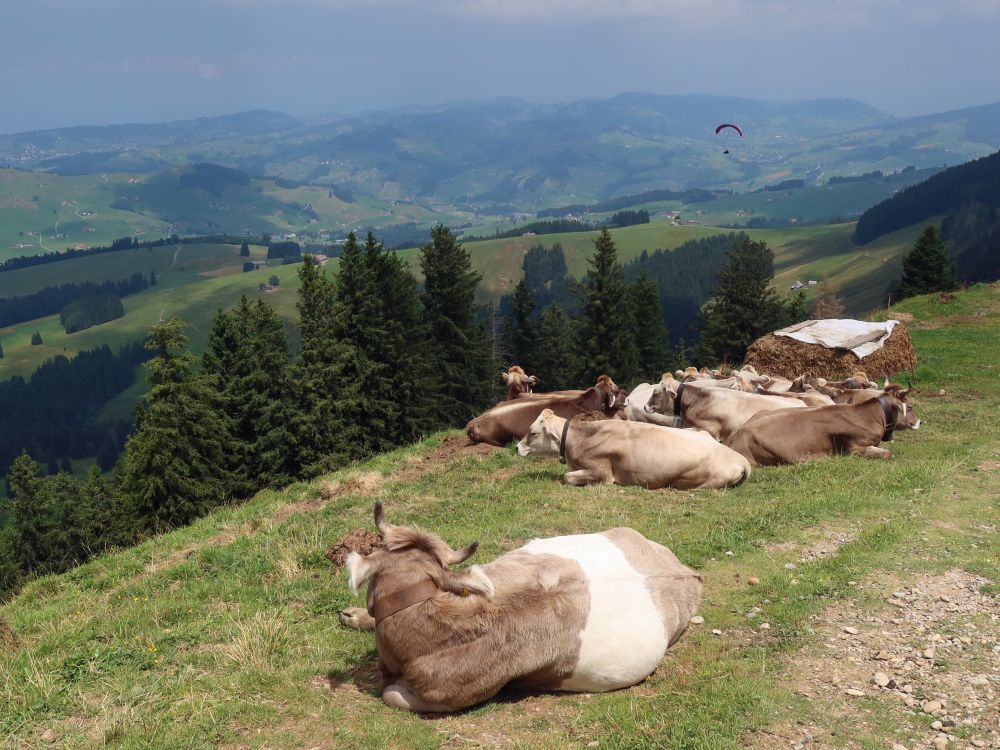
(225, 634)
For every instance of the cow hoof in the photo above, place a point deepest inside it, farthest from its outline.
(357, 618)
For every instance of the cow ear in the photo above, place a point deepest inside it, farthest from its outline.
(360, 570)
(533, 380)
(468, 582)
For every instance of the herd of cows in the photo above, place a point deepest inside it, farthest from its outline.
(594, 612)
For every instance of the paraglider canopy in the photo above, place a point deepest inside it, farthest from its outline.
(737, 128)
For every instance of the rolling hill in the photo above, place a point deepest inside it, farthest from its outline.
(225, 633)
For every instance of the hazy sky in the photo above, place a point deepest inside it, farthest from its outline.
(69, 62)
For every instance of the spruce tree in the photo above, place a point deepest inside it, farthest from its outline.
(796, 309)
(323, 398)
(176, 463)
(461, 346)
(927, 267)
(648, 328)
(744, 306)
(1, 350)
(26, 515)
(607, 342)
(557, 363)
(402, 350)
(244, 250)
(36, 339)
(519, 329)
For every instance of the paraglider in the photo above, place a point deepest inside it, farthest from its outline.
(724, 125)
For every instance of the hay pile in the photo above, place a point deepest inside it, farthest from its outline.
(362, 541)
(788, 358)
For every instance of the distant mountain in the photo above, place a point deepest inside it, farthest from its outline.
(969, 197)
(507, 155)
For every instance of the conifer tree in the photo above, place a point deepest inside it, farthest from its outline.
(796, 308)
(322, 406)
(744, 306)
(461, 347)
(1, 350)
(244, 250)
(519, 329)
(402, 350)
(36, 339)
(651, 335)
(176, 463)
(557, 363)
(927, 267)
(607, 342)
(26, 514)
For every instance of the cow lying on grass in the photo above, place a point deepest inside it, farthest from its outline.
(633, 453)
(791, 437)
(592, 612)
(510, 420)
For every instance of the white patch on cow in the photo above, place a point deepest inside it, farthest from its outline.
(904, 409)
(624, 638)
(477, 581)
(522, 447)
(359, 570)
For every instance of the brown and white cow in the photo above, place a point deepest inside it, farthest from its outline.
(517, 382)
(591, 612)
(782, 437)
(510, 420)
(718, 411)
(633, 453)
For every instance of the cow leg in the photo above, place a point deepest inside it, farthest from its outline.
(583, 477)
(872, 451)
(357, 618)
(399, 695)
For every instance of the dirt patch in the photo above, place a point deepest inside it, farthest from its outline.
(362, 541)
(822, 544)
(451, 449)
(931, 655)
(364, 483)
(989, 466)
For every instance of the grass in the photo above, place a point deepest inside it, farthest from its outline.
(224, 634)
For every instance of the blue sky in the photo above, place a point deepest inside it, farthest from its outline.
(70, 62)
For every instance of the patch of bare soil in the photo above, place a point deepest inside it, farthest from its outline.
(362, 541)
(451, 449)
(364, 483)
(824, 544)
(931, 655)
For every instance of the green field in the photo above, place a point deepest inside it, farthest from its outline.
(225, 634)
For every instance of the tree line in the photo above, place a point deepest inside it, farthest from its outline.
(53, 299)
(382, 362)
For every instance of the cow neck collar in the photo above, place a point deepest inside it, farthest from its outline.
(677, 399)
(890, 423)
(388, 605)
(562, 443)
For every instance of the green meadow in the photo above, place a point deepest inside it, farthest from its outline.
(225, 633)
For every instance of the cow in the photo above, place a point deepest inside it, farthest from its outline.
(718, 411)
(809, 397)
(632, 453)
(635, 407)
(510, 420)
(588, 613)
(780, 437)
(604, 383)
(517, 382)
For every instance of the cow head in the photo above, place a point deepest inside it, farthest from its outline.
(747, 380)
(517, 381)
(542, 438)
(661, 400)
(613, 396)
(410, 558)
(903, 416)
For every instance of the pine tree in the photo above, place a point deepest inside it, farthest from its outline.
(648, 328)
(36, 339)
(461, 347)
(557, 362)
(607, 343)
(152, 277)
(402, 349)
(796, 308)
(175, 465)
(927, 267)
(519, 329)
(1, 350)
(244, 250)
(744, 306)
(26, 515)
(323, 398)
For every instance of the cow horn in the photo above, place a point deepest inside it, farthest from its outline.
(381, 523)
(462, 555)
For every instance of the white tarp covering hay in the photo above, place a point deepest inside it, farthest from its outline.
(886, 349)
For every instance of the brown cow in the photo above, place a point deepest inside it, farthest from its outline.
(784, 437)
(718, 411)
(633, 453)
(510, 420)
(590, 612)
(517, 382)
